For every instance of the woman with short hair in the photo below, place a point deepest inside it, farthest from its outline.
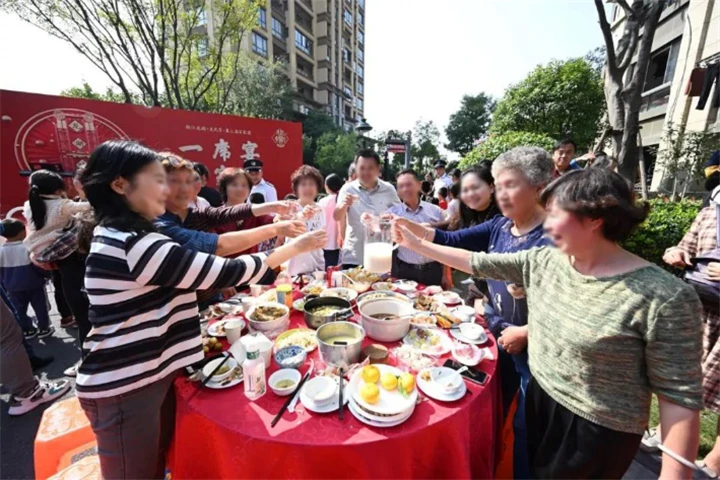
(607, 329)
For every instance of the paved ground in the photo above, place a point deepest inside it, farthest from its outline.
(17, 434)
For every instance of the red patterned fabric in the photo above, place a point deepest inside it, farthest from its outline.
(220, 434)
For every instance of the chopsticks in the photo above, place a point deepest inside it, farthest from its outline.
(290, 398)
(205, 382)
(342, 413)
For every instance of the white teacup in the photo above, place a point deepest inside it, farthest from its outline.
(248, 303)
(256, 290)
(319, 276)
(465, 313)
(233, 330)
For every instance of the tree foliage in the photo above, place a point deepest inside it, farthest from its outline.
(562, 98)
(315, 125)
(86, 91)
(496, 144)
(158, 48)
(425, 145)
(335, 151)
(469, 123)
(262, 89)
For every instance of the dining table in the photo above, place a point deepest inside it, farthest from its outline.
(222, 434)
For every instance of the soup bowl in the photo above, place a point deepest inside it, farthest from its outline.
(340, 343)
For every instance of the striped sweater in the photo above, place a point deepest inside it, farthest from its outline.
(600, 346)
(143, 307)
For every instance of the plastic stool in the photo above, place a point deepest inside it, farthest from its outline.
(87, 450)
(64, 427)
(86, 469)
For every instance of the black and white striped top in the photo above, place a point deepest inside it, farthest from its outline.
(143, 307)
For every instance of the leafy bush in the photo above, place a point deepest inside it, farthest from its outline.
(665, 226)
(495, 145)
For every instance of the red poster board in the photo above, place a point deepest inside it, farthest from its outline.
(44, 131)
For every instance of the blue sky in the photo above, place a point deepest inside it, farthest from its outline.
(421, 56)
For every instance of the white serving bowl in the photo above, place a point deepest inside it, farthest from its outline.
(473, 331)
(271, 328)
(463, 312)
(386, 330)
(210, 366)
(320, 390)
(284, 374)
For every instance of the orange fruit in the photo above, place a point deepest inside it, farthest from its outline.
(408, 382)
(370, 374)
(370, 393)
(389, 381)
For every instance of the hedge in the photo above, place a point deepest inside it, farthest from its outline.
(665, 226)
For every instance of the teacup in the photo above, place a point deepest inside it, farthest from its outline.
(233, 330)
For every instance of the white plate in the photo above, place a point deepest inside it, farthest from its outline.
(436, 392)
(383, 286)
(448, 298)
(478, 355)
(333, 405)
(212, 330)
(219, 385)
(390, 403)
(455, 332)
(345, 293)
(378, 418)
(373, 423)
(444, 347)
(269, 296)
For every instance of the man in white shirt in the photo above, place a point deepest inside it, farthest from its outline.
(198, 202)
(260, 185)
(367, 194)
(442, 179)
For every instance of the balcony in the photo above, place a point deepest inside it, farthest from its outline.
(307, 4)
(279, 6)
(304, 23)
(654, 102)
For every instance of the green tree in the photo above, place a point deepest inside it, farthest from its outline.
(315, 125)
(425, 145)
(562, 98)
(157, 48)
(495, 145)
(262, 89)
(86, 91)
(335, 152)
(469, 123)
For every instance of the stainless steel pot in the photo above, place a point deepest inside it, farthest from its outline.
(315, 321)
(339, 354)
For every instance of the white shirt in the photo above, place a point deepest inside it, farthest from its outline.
(374, 201)
(444, 181)
(453, 209)
(267, 189)
(199, 203)
(313, 260)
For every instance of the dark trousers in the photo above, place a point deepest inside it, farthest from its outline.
(72, 272)
(62, 305)
(564, 445)
(712, 76)
(426, 273)
(21, 299)
(133, 430)
(332, 257)
(348, 266)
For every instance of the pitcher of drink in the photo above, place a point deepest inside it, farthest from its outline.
(378, 245)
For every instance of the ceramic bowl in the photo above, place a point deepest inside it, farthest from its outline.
(290, 357)
(210, 366)
(284, 374)
(320, 390)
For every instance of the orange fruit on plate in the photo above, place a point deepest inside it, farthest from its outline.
(408, 382)
(370, 393)
(370, 374)
(389, 381)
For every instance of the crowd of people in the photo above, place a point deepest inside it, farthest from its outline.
(586, 330)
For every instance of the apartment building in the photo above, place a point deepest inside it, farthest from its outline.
(688, 35)
(322, 42)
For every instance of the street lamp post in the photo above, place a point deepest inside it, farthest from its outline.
(363, 127)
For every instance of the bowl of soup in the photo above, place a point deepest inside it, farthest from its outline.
(340, 343)
(386, 319)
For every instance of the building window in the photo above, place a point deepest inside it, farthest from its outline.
(359, 104)
(347, 16)
(347, 92)
(346, 55)
(202, 46)
(262, 18)
(359, 18)
(360, 55)
(302, 42)
(201, 17)
(360, 71)
(259, 44)
(278, 29)
(361, 3)
(360, 88)
(361, 37)
(662, 66)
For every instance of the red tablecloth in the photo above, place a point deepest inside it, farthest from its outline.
(221, 434)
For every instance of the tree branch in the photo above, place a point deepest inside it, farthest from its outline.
(607, 34)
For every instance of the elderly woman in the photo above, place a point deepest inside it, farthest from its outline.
(606, 329)
(701, 239)
(519, 175)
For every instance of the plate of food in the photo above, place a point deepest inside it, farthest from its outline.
(269, 296)
(301, 337)
(445, 320)
(423, 302)
(211, 313)
(412, 358)
(441, 383)
(432, 290)
(299, 304)
(382, 389)
(313, 289)
(383, 286)
(448, 298)
(340, 292)
(405, 286)
(235, 378)
(268, 312)
(423, 319)
(428, 340)
(467, 354)
(363, 416)
(217, 329)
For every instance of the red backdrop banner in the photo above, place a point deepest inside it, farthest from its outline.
(44, 131)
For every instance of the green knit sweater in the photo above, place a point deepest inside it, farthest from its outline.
(600, 346)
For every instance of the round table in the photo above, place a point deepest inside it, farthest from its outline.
(221, 434)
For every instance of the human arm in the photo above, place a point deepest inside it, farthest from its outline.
(476, 238)
(514, 339)
(679, 255)
(673, 352)
(344, 201)
(234, 242)
(70, 208)
(215, 216)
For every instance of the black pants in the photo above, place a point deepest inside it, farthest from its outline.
(564, 445)
(332, 257)
(427, 273)
(72, 272)
(712, 76)
(348, 266)
(62, 305)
